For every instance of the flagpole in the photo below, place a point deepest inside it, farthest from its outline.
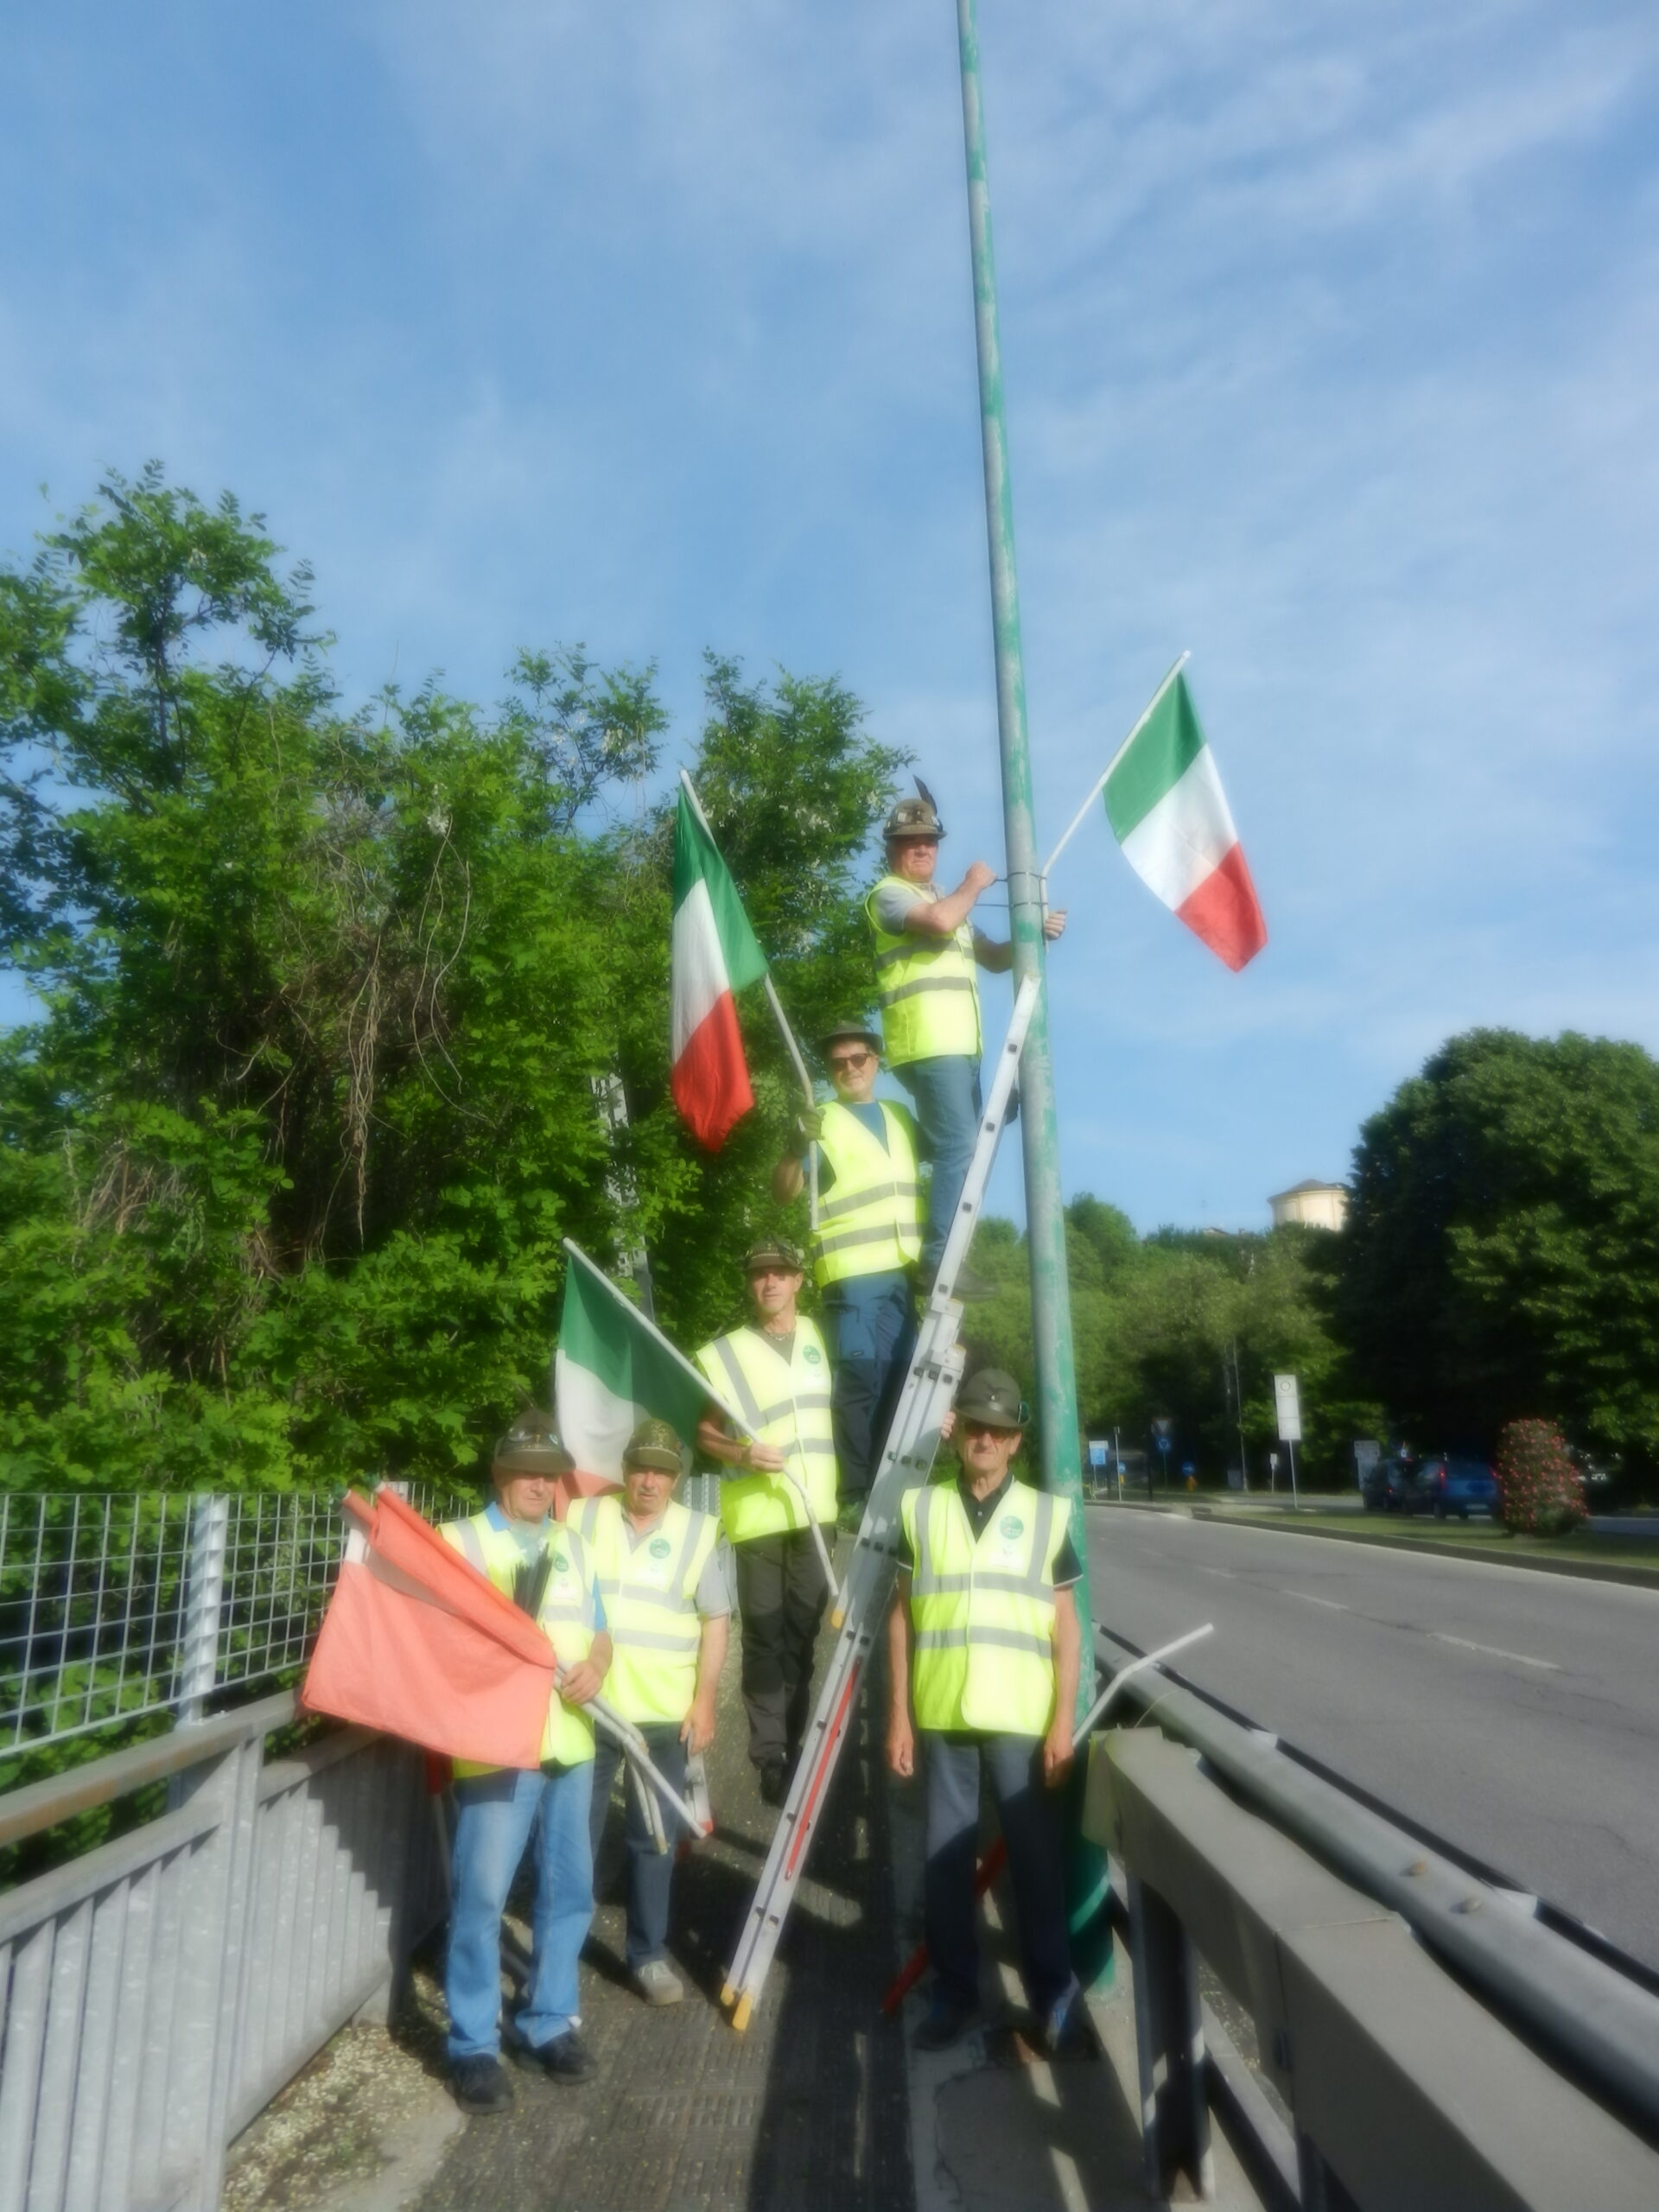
(773, 1001)
(1101, 781)
(695, 1374)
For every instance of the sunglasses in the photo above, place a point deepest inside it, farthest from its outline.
(984, 1428)
(850, 1061)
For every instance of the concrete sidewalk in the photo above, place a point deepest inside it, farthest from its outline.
(819, 2104)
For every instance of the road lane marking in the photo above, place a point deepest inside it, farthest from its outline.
(1495, 1651)
(1221, 1573)
(1308, 1598)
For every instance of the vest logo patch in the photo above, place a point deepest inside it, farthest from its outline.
(811, 1355)
(1011, 1526)
(660, 1547)
(561, 1563)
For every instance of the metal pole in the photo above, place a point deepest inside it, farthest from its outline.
(1295, 1503)
(1051, 1299)
(1087, 1884)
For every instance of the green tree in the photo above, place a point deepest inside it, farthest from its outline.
(286, 1161)
(1501, 1258)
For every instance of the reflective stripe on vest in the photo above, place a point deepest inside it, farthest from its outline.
(785, 1403)
(974, 1602)
(871, 1223)
(926, 988)
(566, 1618)
(651, 1606)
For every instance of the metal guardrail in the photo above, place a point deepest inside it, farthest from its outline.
(1602, 2026)
(114, 1606)
(160, 1990)
(1405, 2094)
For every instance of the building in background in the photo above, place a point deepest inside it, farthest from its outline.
(1315, 1206)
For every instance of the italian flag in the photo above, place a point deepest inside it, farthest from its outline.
(612, 1370)
(714, 954)
(1168, 811)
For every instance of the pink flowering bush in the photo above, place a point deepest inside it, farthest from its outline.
(1540, 1491)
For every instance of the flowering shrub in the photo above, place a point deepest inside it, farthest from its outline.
(1540, 1491)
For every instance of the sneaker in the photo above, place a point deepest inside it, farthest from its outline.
(657, 1983)
(945, 2024)
(774, 1782)
(565, 2059)
(1069, 2033)
(481, 2085)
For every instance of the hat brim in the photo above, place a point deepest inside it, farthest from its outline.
(990, 1421)
(650, 1457)
(762, 1262)
(550, 1465)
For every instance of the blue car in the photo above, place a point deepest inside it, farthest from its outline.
(1443, 1486)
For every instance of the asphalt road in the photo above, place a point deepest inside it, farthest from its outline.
(1516, 1715)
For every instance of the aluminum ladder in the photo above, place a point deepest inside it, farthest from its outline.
(906, 1461)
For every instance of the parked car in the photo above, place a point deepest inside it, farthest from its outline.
(1444, 1486)
(1386, 1484)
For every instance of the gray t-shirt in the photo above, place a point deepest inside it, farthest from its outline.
(894, 900)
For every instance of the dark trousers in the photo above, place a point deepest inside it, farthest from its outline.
(1030, 1828)
(650, 1871)
(781, 1595)
(948, 1107)
(870, 1323)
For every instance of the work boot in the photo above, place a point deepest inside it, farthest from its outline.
(564, 2059)
(481, 2085)
(774, 1782)
(945, 2024)
(657, 1983)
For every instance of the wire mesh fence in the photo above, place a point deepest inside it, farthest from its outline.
(115, 1606)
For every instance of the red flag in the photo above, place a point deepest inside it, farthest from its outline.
(417, 1643)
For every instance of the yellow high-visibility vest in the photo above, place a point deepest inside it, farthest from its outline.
(926, 988)
(566, 1620)
(650, 1590)
(871, 1221)
(781, 1402)
(983, 1610)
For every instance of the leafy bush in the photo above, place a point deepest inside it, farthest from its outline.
(1540, 1491)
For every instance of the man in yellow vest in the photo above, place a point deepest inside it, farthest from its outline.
(983, 1648)
(775, 1375)
(869, 1240)
(663, 1588)
(926, 952)
(545, 1569)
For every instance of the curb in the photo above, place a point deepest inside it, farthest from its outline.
(1575, 1570)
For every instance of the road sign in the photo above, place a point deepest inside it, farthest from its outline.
(1097, 1451)
(1367, 1452)
(1287, 1404)
(1163, 1446)
(1187, 1467)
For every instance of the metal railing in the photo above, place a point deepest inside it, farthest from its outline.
(116, 1605)
(160, 1990)
(1489, 2061)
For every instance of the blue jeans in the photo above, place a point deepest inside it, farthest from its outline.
(651, 1871)
(1030, 1828)
(872, 1329)
(498, 1813)
(948, 1107)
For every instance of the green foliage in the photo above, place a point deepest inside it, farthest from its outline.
(1540, 1491)
(1156, 1322)
(1502, 1253)
(286, 1162)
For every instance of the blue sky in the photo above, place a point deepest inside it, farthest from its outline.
(1330, 338)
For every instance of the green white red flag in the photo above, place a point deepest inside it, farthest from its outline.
(613, 1369)
(714, 954)
(1168, 811)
